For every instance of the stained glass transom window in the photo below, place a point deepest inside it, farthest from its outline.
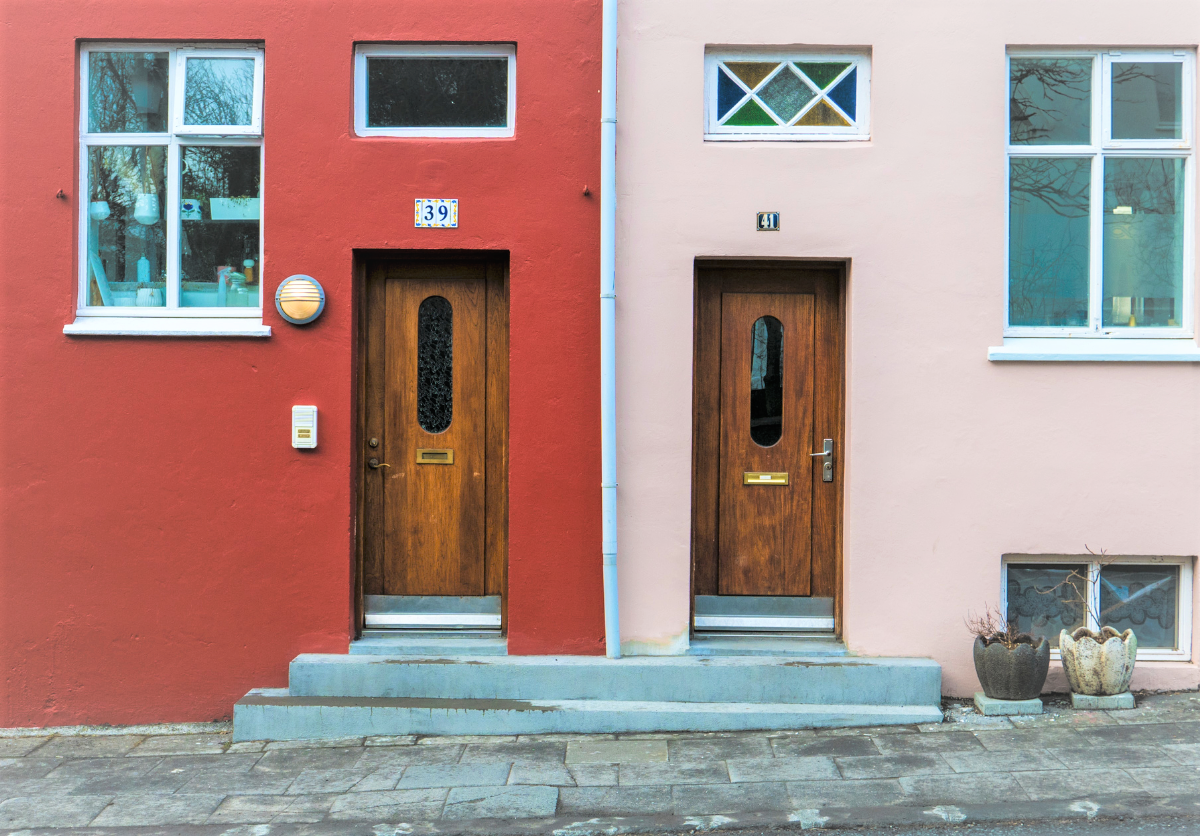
(788, 97)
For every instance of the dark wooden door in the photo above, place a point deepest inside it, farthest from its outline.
(767, 391)
(766, 430)
(433, 427)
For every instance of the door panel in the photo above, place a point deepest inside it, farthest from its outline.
(434, 512)
(766, 427)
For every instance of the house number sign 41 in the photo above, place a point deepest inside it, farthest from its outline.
(768, 221)
(437, 212)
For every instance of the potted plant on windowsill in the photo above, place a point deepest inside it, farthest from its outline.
(1009, 665)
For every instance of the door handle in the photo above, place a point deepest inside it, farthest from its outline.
(375, 464)
(827, 454)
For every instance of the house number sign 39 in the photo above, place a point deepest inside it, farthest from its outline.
(437, 212)
(768, 221)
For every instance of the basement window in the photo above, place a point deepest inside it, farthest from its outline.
(435, 90)
(1043, 594)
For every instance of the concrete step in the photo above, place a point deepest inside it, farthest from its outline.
(789, 680)
(274, 714)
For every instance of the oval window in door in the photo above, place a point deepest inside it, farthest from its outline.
(766, 382)
(435, 364)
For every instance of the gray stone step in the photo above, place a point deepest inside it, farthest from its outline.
(274, 714)
(790, 680)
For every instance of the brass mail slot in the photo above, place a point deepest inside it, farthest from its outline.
(427, 456)
(750, 478)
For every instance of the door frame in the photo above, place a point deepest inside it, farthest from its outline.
(711, 277)
(494, 265)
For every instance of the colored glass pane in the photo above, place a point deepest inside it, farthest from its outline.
(751, 113)
(729, 93)
(823, 115)
(845, 95)
(751, 72)
(786, 94)
(822, 72)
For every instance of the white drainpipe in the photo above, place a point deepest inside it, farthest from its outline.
(608, 326)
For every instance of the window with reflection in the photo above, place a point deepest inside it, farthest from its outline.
(157, 119)
(1100, 152)
(766, 382)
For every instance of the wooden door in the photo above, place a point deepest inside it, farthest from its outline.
(767, 391)
(766, 429)
(433, 429)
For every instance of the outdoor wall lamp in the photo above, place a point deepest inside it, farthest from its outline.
(300, 299)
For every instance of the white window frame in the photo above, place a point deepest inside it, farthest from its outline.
(171, 319)
(1183, 613)
(179, 70)
(363, 52)
(1100, 147)
(715, 132)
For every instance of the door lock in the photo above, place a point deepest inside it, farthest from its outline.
(826, 466)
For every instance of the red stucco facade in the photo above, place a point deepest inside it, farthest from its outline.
(163, 549)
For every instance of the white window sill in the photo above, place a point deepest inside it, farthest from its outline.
(1094, 350)
(132, 326)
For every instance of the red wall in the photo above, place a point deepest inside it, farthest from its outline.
(164, 549)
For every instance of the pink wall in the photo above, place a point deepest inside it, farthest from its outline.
(162, 547)
(951, 460)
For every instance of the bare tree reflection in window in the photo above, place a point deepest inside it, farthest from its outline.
(1049, 201)
(1050, 101)
(218, 91)
(127, 92)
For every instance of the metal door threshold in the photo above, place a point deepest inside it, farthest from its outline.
(753, 614)
(441, 614)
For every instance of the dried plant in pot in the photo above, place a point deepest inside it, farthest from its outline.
(1010, 665)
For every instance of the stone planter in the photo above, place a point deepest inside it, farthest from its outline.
(1098, 665)
(1016, 674)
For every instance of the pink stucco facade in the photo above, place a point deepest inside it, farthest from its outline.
(951, 460)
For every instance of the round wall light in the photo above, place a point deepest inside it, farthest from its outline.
(300, 299)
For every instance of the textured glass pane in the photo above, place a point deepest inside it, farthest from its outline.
(1143, 241)
(219, 91)
(766, 382)
(1050, 101)
(219, 213)
(437, 92)
(1042, 600)
(822, 72)
(127, 243)
(127, 92)
(435, 364)
(1048, 241)
(821, 114)
(751, 72)
(1144, 599)
(786, 94)
(729, 93)
(751, 113)
(1147, 101)
(845, 95)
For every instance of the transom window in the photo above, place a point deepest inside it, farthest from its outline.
(170, 179)
(760, 95)
(435, 90)
(1044, 594)
(1100, 196)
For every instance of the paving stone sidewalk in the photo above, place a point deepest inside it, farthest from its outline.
(970, 768)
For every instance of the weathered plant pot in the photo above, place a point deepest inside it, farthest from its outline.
(1012, 674)
(1098, 665)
